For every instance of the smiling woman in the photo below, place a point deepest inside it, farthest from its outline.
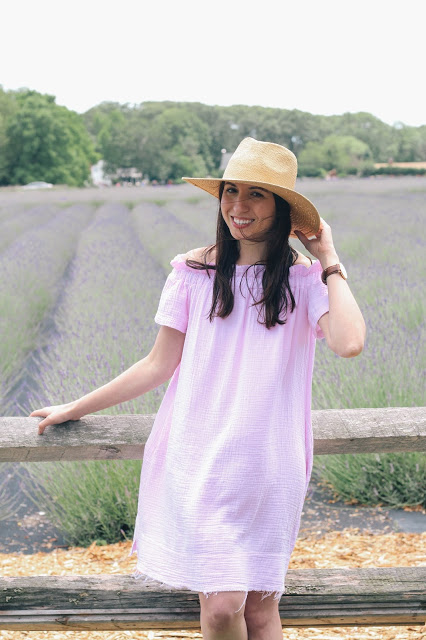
(239, 348)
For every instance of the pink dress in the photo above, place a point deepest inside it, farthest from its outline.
(228, 461)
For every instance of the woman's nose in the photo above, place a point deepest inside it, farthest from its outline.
(241, 204)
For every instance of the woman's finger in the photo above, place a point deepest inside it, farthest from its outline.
(43, 424)
(41, 427)
(38, 412)
(301, 236)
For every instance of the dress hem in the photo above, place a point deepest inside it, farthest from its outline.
(138, 575)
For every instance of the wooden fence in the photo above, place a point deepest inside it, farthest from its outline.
(321, 597)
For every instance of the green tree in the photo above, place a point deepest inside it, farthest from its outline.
(47, 142)
(343, 153)
(177, 144)
(409, 143)
(113, 131)
(7, 108)
(131, 136)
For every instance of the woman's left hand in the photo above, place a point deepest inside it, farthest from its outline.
(321, 246)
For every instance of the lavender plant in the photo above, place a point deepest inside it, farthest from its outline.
(15, 223)
(379, 242)
(164, 235)
(199, 213)
(389, 479)
(104, 322)
(89, 501)
(32, 270)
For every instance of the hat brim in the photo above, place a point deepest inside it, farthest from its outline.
(303, 214)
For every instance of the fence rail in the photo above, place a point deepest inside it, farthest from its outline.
(313, 598)
(123, 437)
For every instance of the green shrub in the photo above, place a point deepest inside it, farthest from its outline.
(389, 479)
(351, 171)
(393, 171)
(86, 501)
(311, 172)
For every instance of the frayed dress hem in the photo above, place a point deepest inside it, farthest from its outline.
(139, 575)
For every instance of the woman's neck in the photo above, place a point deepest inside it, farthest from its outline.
(251, 253)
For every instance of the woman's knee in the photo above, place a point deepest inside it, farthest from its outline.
(259, 612)
(220, 611)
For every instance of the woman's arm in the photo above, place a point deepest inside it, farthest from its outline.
(343, 326)
(147, 374)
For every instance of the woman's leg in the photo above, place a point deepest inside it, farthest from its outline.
(220, 618)
(262, 617)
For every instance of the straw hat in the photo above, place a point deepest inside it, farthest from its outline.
(273, 167)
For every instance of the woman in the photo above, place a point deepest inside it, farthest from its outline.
(228, 462)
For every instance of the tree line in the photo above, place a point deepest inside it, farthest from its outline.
(40, 140)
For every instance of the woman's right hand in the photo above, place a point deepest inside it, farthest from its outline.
(55, 415)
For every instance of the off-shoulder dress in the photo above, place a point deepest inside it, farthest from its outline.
(227, 464)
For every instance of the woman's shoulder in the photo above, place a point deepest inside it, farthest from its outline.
(198, 255)
(305, 270)
(201, 254)
(301, 259)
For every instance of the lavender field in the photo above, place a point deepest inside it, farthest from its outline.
(81, 276)
(82, 271)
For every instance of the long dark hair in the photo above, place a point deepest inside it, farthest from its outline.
(277, 293)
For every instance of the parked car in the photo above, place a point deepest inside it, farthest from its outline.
(38, 185)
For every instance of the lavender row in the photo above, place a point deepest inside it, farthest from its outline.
(105, 321)
(163, 234)
(379, 242)
(32, 269)
(10, 210)
(199, 213)
(18, 222)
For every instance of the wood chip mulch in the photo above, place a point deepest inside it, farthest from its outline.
(348, 548)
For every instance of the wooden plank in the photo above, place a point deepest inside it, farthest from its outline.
(123, 437)
(388, 429)
(94, 622)
(321, 597)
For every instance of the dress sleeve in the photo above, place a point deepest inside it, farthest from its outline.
(317, 300)
(173, 308)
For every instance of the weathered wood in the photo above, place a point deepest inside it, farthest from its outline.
(123, 437)
(321, 597)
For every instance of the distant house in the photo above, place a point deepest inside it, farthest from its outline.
(98, 176)
(130, 174)
(101, 179)
(224, 160)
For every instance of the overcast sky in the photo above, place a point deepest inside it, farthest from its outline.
(325, 57)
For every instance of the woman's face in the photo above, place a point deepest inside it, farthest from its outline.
(247, 209)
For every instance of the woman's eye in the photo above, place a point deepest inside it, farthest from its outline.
(231, 190)
(257, 194)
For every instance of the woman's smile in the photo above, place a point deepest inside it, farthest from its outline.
(241, 222)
